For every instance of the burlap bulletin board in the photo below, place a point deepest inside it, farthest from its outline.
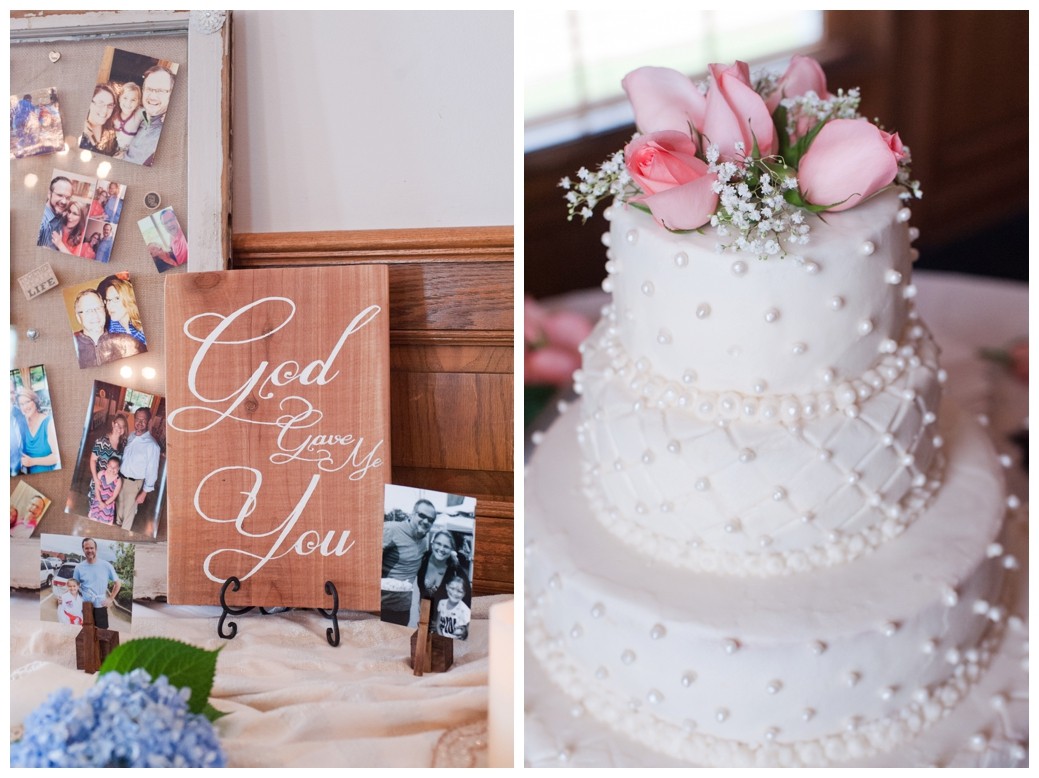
(74, 75)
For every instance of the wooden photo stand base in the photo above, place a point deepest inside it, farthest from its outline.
(93, 645)
(435, 654)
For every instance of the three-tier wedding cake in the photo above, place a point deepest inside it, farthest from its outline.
(761, 538)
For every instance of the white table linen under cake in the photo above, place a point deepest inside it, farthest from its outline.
(295, 700)
(965, 314)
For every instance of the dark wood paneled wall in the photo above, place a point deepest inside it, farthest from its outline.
(451, 361)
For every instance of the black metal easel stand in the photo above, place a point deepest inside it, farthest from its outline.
(331, 634)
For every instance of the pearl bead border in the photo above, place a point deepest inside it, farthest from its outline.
(867, 739)
(660, 392)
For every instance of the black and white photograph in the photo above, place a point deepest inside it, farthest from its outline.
(76, 570)
(428, 544)
(36, 124)
(128, 107)
(120, 474)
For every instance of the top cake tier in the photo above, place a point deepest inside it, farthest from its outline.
(728, 321)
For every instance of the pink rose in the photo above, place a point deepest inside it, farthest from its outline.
(551, 341)
(895, 144)
(678, 188)
(735, 112)
(849, 160)
(802, 76)
(664, 99)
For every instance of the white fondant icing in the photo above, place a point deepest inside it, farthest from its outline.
(766, 624)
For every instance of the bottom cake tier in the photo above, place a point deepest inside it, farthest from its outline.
(813, 669)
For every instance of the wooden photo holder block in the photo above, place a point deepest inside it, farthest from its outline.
(435, 654)
(93, 645)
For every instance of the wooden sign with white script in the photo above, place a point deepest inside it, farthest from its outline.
(278, 436)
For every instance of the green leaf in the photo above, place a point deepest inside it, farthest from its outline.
(183, 665)
(212, 713)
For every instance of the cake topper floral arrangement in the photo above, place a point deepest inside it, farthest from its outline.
(748, 157)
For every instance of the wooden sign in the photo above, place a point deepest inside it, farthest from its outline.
(278, 435)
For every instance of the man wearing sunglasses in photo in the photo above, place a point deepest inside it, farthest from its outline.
(403, 544)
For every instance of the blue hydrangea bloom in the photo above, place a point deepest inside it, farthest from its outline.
(122, 721)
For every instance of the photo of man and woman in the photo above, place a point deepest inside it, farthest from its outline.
(36, 124)
(166, 241)
(120, 475)
(428, 542)
(81, 215)
(128, 108)
(75, 570)
(105, 320)
(34, 441)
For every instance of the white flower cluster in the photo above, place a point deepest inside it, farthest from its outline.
(610, 180)
(752, 208)
(902, 176)
(843, 105)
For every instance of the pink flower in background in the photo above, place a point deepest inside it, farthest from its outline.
(849, 160)
(550, 343)
(802, 76)
(664, 99)
(736, 113)
(678, 188)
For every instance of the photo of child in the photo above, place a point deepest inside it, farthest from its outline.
(427, 554)
(102, 499)
(120, 476)
(76, 570)
(128, 106)
(453, 614)
(70, 604)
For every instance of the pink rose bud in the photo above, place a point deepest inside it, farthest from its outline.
(736, 113)
(895, 144)
(802, 76)
(849, 160)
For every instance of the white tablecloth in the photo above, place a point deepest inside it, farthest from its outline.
(295, 700)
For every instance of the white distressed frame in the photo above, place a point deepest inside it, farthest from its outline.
(208, 180)
(209, 106)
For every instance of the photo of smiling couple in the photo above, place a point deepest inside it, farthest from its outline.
(427, 554)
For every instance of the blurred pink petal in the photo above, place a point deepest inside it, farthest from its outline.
(567, 329)
(550, 365)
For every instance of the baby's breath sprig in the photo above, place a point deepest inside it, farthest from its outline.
(610, 180)
(902, 177)
(809, 106)
(752, 207)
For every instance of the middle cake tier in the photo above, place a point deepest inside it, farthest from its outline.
(748, 485)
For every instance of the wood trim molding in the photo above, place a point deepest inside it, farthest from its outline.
(451, 338)
(433, 244)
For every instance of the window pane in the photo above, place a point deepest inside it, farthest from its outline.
(575, 60)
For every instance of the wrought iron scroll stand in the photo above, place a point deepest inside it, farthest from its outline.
(331, 634)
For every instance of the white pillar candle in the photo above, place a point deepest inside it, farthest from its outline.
(500, 681)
